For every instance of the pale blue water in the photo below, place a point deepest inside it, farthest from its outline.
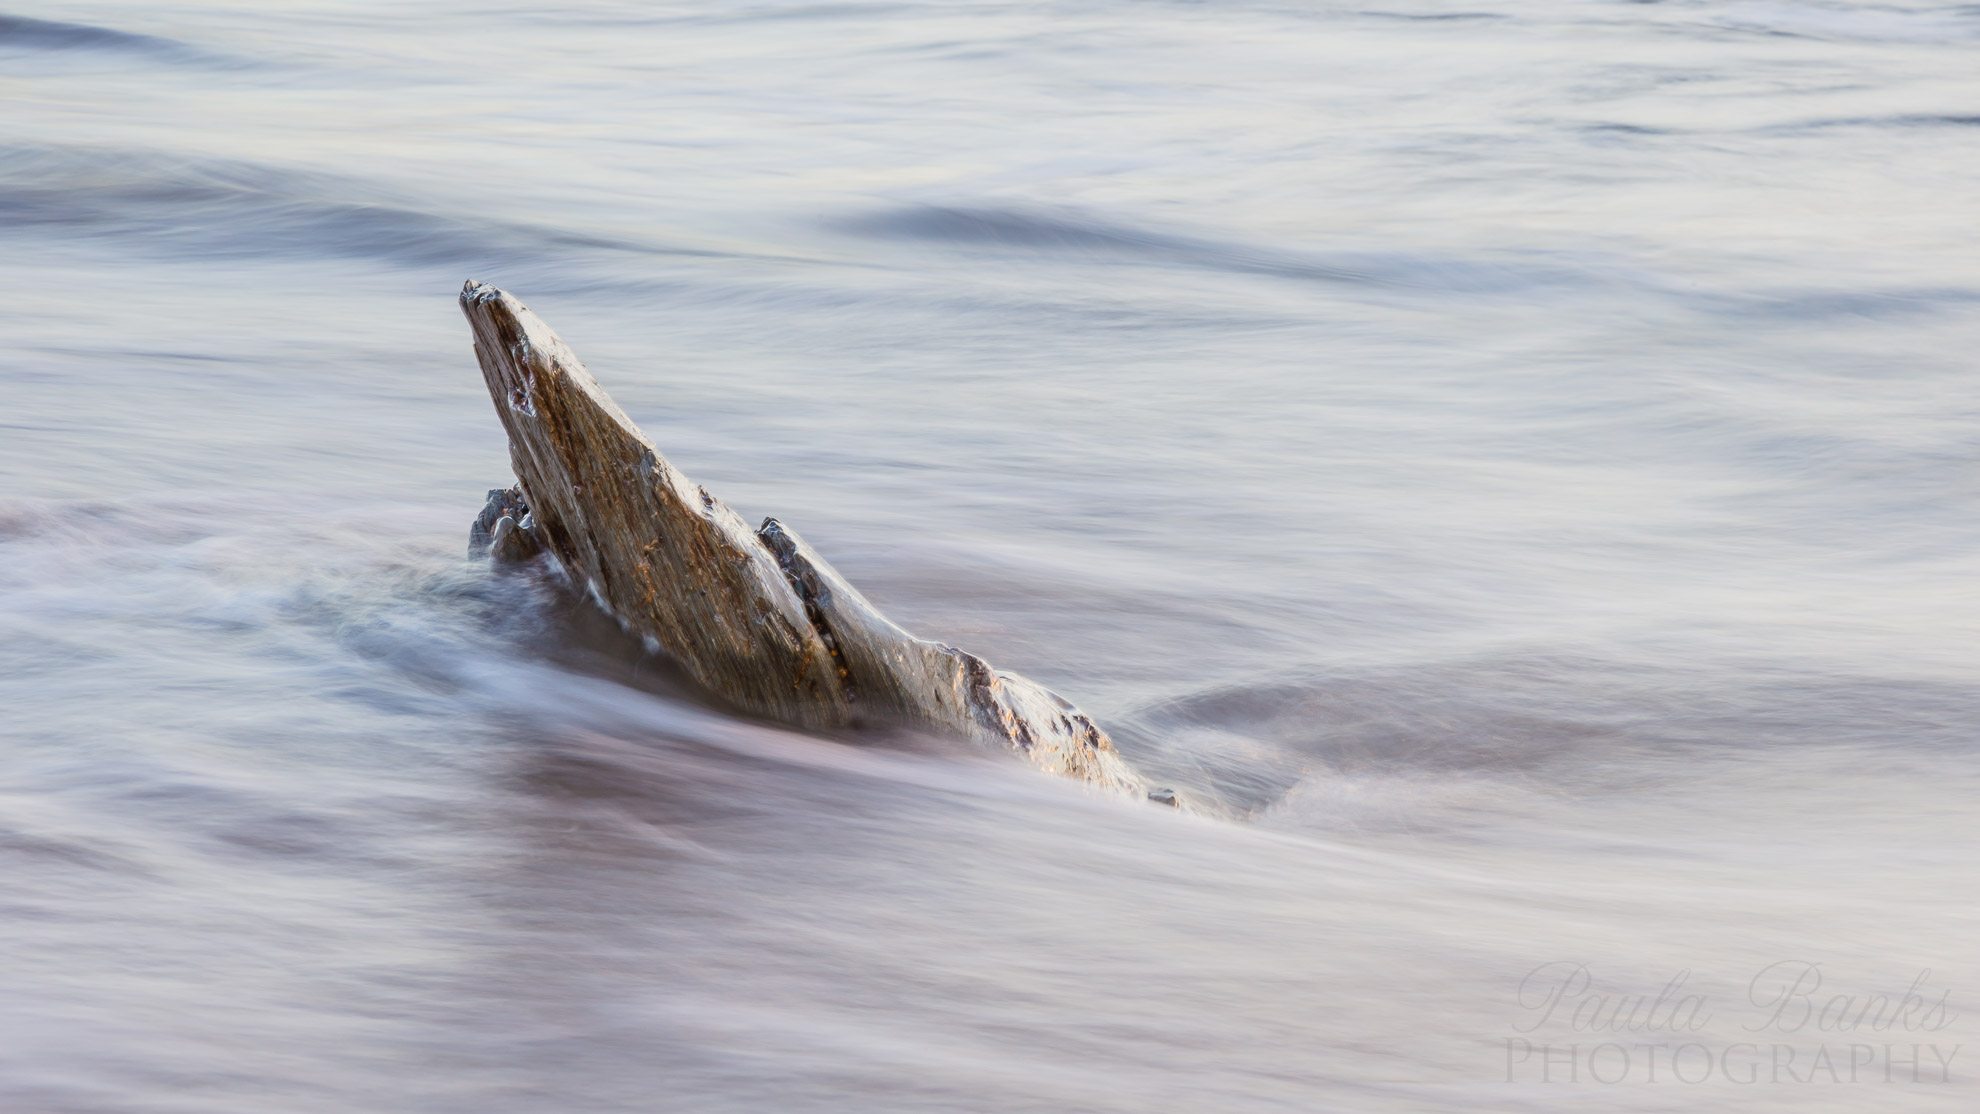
(1515, 465)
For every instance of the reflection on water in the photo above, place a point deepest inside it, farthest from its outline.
(1509, 468)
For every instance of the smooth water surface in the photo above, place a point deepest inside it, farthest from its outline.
(1511, 466)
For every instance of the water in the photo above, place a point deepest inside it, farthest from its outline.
(1511, 465)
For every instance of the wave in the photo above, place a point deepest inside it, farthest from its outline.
(1538, 723)
(26, 33)
(176, 206)
(1843, 24)
(1078, 235)
(1434, 17)
(1902, 120)
(1079, 238)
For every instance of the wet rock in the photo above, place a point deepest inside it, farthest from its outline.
(504, 529)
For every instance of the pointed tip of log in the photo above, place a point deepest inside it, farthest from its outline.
(475, 291)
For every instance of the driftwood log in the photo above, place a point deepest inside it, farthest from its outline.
(755, 616)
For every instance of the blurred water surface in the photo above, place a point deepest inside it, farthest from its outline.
(1513, 466)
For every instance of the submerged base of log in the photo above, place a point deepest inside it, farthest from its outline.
(756, 616)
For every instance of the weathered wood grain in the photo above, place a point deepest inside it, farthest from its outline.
(671, 561)
(934, 685)
(757, 617)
